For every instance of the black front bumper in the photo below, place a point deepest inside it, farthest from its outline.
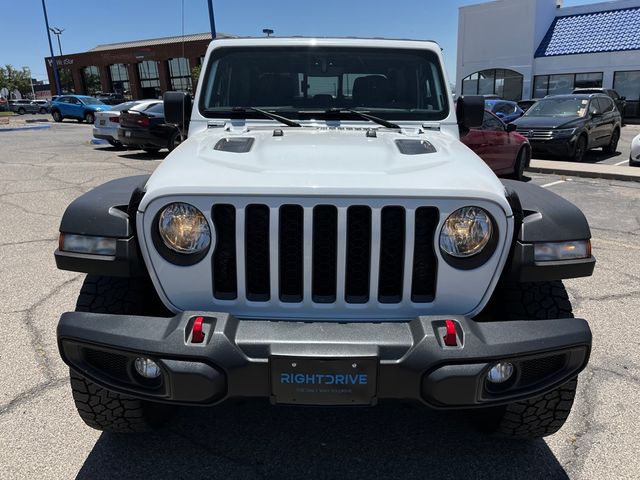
(236, 357)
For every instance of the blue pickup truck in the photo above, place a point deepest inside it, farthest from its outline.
(79, 107)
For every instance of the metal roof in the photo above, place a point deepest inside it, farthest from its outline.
(158, 41)
(607, 31)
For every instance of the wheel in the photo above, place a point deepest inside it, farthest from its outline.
(57, 117)
(22, 111)
(115, 143)
(174, 141)
(42, 110)
(99, 407)
(580, 149)
(612, 147)
(521, 163)
(89, 117)
(546, 414)
(151, 150)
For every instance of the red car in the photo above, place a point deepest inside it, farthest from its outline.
(505, 151)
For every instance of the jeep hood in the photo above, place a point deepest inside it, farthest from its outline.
(320, 161)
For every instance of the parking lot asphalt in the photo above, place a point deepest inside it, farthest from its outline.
(42, 437)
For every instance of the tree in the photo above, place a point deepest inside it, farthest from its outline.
(13, 79)
(195, 73)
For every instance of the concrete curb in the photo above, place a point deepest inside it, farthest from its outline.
(19, 129)
(587, 170)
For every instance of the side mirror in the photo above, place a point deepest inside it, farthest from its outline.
(470, 111)
(510, 127)
(623, 98)
(500, 115)
(177, 108)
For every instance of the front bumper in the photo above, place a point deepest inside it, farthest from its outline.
(236, 356)
(562, 146)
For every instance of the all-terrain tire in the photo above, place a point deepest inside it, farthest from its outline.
(612, 146)
(546, 414)
(99, 407)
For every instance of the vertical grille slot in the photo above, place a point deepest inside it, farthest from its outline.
(290, 253)
(425, 266)
(256, 246)
(391, 255)
(224, 259)
(325, 251)
(358, 254)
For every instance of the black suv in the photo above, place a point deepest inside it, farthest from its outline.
(569, 125)
(621, 102)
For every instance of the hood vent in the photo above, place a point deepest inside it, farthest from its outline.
(234, 144)
(415, 147)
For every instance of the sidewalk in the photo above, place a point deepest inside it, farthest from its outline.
(589, 170)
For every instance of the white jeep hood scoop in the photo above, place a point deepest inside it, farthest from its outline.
(308, 162)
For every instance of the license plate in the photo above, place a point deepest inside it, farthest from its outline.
(127, 133)
(103, 122)
(316, 381)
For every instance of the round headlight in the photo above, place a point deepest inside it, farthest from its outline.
(465, 232)
(184, 229)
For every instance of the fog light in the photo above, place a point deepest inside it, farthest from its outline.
(147, 367)
(500, 372)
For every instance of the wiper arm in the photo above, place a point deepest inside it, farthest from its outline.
(366, 116)
(273, 116)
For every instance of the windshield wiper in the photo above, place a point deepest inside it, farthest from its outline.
(273, 116)
(366, 116)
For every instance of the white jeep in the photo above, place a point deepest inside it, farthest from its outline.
(324, 238)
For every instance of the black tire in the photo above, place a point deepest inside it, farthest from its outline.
(89, 117)
(57, 116)
(579, 149)
(521, 163)
(152, 151)
(612, 147)
(42, 110)
(546, 414)
(99, 407)
(174, 141)
(115, 143)
(21, 111)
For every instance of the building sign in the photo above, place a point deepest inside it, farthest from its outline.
(61, 62)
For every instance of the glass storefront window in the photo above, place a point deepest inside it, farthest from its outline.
(91, 79)
(588, 80)
(559, 84)
(627, 84)
(120, 78)
(149, 76)
(505, 83)
(180, 74)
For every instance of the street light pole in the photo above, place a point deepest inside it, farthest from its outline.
(33, 92)
(54, 62)
(212, 20)
(57, 32)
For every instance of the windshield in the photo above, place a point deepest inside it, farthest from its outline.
(559, 107)
(91, 101)
(296, 81)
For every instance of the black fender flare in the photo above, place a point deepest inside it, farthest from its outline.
(106, 211)
(543, 216)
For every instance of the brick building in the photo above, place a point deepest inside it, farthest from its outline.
(138, 69)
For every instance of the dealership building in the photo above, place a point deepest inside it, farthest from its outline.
(137, 69)
(522, 49)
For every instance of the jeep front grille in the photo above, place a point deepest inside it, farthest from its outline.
(324, 254)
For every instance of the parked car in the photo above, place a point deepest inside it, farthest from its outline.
(505, 110)
(634, 156)
(106, 124)
(111, 98)
(148, 130)
(23, 106)
(4, 104)
(621, 102)
(504, 150)
(321, 250)
(570, 125)
(525, 104)
(44, 106)
(79, 107)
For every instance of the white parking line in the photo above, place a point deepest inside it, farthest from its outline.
(552, 183)
(620, 163)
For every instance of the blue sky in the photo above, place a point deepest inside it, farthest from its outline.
(87, 23)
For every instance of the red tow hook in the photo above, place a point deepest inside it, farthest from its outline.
(450, 338)
(197, 335)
